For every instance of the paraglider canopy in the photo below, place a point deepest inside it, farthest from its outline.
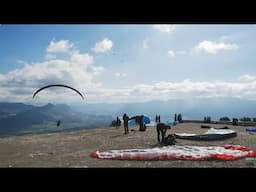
(57, 85)
(133, 122)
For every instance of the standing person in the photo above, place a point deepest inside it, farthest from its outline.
(126, 119)
(142, 124)
(118, 122)
(158, 118)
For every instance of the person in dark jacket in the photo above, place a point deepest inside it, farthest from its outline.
(126, 119)
(161, 128)
(141, 123)
(118, 122)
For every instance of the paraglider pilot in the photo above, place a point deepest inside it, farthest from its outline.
(126, 119)
(58, 123)
(118, 122)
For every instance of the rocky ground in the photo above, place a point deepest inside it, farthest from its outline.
(73, 149)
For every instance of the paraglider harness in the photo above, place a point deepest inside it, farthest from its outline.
(161, 129)
(169, 140)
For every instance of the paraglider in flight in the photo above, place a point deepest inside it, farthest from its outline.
(57, 85)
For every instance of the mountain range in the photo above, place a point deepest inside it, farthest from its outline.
(18, 118)
(189, 108)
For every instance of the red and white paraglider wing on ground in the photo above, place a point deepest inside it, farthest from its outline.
(226, 152)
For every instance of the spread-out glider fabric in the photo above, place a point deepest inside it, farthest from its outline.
(151, 124)
(211, 134)
(146, 120)
(250, 129)
(175, 152)
(208, 127)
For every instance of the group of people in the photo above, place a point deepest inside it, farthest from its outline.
(157, 119)
(161, 128)
(138, 119)
(178, 117)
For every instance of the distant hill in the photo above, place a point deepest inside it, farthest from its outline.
(21, 118)
(14, 107)
(190, 108)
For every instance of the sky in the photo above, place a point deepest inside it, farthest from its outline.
(124, 63)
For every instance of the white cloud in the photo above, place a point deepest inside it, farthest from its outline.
(164, 28)
(214, 47)
(103, 46)
(2, 78)
(98, 70)
(186, 89)
(119, 75)
(171, 53)
(49, 56)
(20, 84)
(183, 89)
(59, 46)
(182, 52)
(145, 44)
(22, 62)
(81, 59)
(78, 70)
(247, 78)
(226, 38)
